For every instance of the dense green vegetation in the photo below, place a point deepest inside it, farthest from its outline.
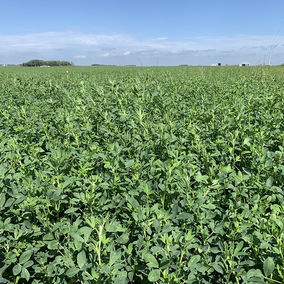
(39, 63)
(140, 175)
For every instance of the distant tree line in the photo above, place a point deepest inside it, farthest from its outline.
(37, 63)
(101, 65)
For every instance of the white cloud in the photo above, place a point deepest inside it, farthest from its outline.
(57, 40)
(161, 38)
(115, 54)
(237, 41)
(121, 48)
(105, 55)
(108, 48)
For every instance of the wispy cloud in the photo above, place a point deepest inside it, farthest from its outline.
(255, 47)
(115, 54)
(57, 40)
(65, 40)
(187, 51)
(121, 47)
(238, 41)
(105, 55)
(108, 48)
(160, 38)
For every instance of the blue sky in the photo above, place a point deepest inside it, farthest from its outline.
(154, 32)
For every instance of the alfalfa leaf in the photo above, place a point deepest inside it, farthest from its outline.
(72, 271)
(81, 259)
(25, 274)
(25, 256)
(151, 260)
(17, 269)
(268, 266)
(154, 275)
(269, 182)
(77, 237)
(129, 163)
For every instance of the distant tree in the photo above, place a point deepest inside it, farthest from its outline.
(37, 63)
(107, 65)
(34, 62)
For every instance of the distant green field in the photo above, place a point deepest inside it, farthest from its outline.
(141, 175)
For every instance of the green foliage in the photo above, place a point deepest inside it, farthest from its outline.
(37, 63)
(141, 175)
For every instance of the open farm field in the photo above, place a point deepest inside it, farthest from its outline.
(142, 175)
